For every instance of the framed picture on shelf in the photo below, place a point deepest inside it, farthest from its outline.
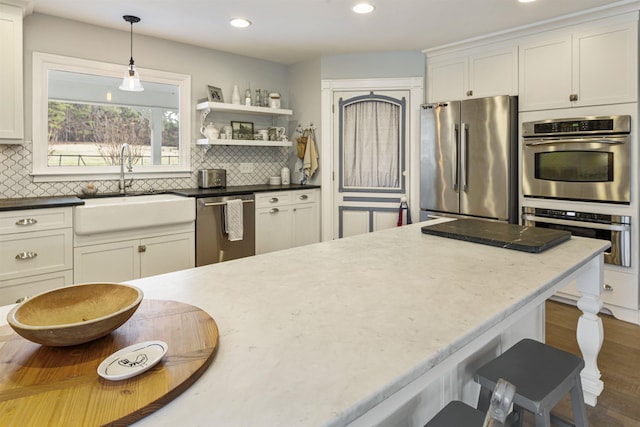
(215, 94)
(242, 130)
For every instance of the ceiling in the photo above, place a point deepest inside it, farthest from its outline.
(290, 31)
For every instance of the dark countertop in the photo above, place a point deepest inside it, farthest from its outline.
(63, 201)
(39, 202)
(238, 189)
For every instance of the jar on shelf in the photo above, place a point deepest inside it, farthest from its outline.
(258, 99)
(274, 100)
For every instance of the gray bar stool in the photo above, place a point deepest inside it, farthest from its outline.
(542, 374)
(459, 414)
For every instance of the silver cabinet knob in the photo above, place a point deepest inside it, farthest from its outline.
(274, 210)
(573, 97)
(274, 200)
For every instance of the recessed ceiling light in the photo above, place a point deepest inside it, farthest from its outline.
(240, 23)
(363, 8)
(526, 1)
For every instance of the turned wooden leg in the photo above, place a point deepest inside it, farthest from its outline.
(589, 332)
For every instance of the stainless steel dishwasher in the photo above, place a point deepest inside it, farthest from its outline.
(212, 241)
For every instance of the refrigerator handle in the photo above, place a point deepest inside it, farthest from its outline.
(455, 158)
(463, 162)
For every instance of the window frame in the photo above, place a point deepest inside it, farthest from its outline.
(41, 172)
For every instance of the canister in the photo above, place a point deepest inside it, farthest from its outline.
(285, 176)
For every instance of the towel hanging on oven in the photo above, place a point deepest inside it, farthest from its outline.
(233, 220)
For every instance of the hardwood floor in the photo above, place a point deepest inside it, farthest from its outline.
(619, 364)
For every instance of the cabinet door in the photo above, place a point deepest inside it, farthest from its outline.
(447, 79)
(165, 254)
(545, 74)
(11, 111)
(605, 66)
(306, 228)
(273, 229)
(109, 262)
(493, 73)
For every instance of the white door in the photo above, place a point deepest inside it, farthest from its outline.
(370, 159)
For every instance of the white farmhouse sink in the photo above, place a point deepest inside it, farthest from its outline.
(107, 214)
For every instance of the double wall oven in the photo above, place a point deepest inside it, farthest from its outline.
(572, 167)
(585, 159)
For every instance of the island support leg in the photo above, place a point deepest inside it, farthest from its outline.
(589, 332)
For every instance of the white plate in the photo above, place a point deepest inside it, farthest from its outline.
(132, 360)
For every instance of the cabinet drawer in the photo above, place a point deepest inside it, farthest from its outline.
(40, 252)
(28, 220)
(305, 196)
(277, 198)
(12, 290)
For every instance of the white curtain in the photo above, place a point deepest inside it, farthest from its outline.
(371, 145)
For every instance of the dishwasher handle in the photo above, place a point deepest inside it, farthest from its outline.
(224, 203)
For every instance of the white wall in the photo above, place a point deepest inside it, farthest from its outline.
(48, 34)
(373, 65)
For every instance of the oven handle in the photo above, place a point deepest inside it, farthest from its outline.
(224, 203)
(611, 227)
(552, 141)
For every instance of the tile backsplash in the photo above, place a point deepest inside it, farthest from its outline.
(16, 181)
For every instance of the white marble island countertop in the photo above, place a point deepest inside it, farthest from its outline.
(318, 335)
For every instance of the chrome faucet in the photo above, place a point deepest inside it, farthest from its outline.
(122, 185)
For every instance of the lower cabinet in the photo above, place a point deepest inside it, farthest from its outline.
(124, 260)
(36, 252)
(286, 219)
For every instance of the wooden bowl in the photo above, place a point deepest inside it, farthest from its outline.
(75, 314)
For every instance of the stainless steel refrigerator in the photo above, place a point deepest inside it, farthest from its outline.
(468, 159)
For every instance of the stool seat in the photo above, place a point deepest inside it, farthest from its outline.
(542, 375)
(457, 414)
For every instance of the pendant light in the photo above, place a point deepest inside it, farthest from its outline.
(131, 81)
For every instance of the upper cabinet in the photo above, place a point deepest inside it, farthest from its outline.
(474, 73)
(240, 111)
(11, 101)
(589, 64)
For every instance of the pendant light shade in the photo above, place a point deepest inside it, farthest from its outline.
(131, 80)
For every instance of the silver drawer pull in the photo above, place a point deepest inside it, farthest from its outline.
(607, 288)
(274, 210)
(303, 197)
(274, 200)
(26, 221)
(26, 255)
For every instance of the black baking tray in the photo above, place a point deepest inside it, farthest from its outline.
(500, 234)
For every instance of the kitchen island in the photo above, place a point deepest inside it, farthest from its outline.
(377, 329)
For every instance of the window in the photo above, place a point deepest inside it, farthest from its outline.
(81, 119)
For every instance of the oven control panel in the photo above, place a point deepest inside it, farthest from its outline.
(576, 216)
(582, 125)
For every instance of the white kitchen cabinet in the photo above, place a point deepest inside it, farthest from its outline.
(123, 260)
(35, 251)
(585, 65)
(242, 110)
(11, 80)
(286, 219)
(477, 73)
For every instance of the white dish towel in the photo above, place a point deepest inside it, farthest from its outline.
(233, 220)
